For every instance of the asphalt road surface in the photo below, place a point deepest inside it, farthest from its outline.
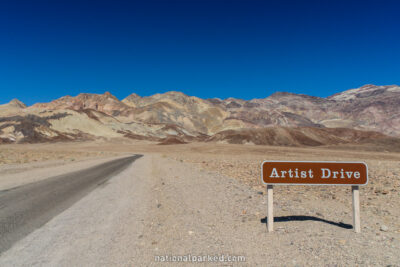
(26, 208)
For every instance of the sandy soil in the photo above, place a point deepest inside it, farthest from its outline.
(20, 154)
(208, 199)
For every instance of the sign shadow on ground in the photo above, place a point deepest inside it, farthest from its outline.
(307, 218)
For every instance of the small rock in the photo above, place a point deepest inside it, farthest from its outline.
(158, 205)
(384, 228)
(260, 193)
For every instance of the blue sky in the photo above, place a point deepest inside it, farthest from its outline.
(244, 49)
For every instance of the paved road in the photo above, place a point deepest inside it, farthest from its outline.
(24, 209)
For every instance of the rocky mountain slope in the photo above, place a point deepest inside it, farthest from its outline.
(305, 119)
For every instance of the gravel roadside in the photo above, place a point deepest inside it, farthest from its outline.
(160, 206)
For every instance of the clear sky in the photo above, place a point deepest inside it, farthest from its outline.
(207, 48)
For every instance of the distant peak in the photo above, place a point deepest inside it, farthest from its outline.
(281, 93)
(368, 86)
(17, 103)
(134, 95)
(214, 100)
(373, 86)
(368, 90)
(175, 93)
(108, 94)
(87, 96)
(278, 94)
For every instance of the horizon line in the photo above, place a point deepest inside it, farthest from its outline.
(181, 92)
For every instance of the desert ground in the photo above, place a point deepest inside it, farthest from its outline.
(204, 199)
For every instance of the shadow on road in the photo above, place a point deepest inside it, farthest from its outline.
(307, 218)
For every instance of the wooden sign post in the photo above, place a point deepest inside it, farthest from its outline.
(314, 173)
(270, 211)
(356, 208)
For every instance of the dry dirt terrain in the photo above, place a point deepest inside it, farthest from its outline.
(204, 199)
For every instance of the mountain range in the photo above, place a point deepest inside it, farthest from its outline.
(365, 114)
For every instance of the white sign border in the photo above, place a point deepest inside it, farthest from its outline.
(358, 162)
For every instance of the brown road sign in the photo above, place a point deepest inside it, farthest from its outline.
(314, 173)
